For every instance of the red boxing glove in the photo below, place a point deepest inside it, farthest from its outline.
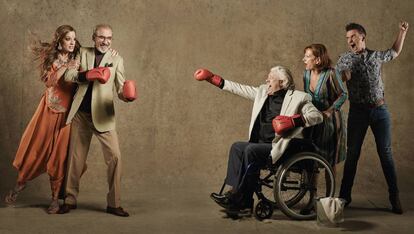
(282, 123)
(204, 74)
(100, 74)
(129, 91)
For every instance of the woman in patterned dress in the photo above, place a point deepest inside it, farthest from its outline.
(325, 86)
(44, 144)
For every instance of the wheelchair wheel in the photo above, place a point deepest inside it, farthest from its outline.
(300, 180)
(263, 210)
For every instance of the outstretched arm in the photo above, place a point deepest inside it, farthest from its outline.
(399, 42)
(245, 91)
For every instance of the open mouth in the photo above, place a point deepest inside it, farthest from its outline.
(269, 88)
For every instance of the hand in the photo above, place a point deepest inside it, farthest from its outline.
(346, 75)
(282, 124)
(404, 26)
(121, 96)
(101, 74)
(73, 64)
(113, 52)
(204, 74)
(129, 92)
(327, 114)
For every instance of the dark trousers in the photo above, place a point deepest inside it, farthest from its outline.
(358, 121)
(244, 155)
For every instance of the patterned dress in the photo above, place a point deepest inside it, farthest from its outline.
(44, 144)
(330, 135)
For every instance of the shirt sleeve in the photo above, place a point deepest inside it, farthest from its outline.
(344, 64)
(120, 76)
(386, 55)
(242, 90)
(50, 77)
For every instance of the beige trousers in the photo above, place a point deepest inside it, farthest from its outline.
(80, 139)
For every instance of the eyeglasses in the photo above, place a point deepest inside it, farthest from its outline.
(102, 38)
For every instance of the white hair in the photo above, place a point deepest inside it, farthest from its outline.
(99, 26)
(284, 75)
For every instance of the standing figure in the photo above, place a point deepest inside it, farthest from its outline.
(93, 113)
(325, 86)
(361, 68)
(44, 144)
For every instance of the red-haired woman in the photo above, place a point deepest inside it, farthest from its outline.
(325, 86)
(43, 146)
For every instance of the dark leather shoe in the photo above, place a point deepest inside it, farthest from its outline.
(396, 204)
(244, 208)
(119, 211)
(221, 199)
(218, 196)
(65, 208)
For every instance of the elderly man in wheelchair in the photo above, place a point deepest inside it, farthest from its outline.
(280, 113)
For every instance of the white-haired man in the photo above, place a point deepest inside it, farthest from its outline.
(279, 114)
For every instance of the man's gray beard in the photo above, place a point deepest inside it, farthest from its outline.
(100, 50)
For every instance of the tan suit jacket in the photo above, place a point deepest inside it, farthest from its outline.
(295, 102)
(103, 112)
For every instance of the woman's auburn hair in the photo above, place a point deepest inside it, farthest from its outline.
(46, 53)
(320, 51)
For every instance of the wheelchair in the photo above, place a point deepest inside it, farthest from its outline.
(294, 183)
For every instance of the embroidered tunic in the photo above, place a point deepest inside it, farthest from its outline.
(44, 144)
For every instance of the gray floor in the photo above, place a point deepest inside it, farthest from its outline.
(190, 211)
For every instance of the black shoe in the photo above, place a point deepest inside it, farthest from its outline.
(65, 208)
(242, 208)
(221, 199)
(396, 204)
(219, 196)
(119, 211)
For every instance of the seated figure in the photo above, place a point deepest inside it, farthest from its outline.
(279, 114)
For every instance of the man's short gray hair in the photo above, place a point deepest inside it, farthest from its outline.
(285, 75)
(99, 26)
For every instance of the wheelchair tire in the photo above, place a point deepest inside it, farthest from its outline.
(304, 166)
(263, 210)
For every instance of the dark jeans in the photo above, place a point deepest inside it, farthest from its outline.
(243, 155)
(359, 119)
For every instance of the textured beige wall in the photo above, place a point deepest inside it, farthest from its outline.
(179, 131)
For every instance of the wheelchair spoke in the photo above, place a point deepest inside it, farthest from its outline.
(300, 180)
